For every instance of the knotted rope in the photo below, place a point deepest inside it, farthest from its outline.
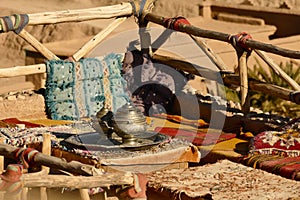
(238, 41)
(14, 23)
(175, 22)
(25, 156)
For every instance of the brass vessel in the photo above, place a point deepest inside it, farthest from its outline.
(128, 123)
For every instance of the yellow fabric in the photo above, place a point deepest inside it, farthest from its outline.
(160, 122)
(50, 122)
(230, 149)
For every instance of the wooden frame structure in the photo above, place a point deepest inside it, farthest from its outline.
(120, 13)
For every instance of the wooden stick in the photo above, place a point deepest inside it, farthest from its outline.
(22, 70)
(188, 67)
(105, 12)
(79, 182)
(228, 80)
(46, 149)
(43, 192)
(280, 92)
(245, 103)
(37, 45)
(278, 70)
(51, 161)
(1, 164)
(192, 30)
(209, 52)
(98, 38)
(24, 193)
(84, 194)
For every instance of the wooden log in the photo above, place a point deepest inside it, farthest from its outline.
(97, 39)
(54, 162)
(105, 12)
(37, 45)
(79, 182)
(192, 30)
(278, 70)
(243, 72)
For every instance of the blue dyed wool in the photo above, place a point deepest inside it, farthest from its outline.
(76, 90)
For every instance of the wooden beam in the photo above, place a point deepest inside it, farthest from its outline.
(195, 31)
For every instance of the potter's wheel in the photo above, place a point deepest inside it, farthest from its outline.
(98, 141)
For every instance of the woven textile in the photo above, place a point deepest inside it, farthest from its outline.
(285, 142)
(76, 90)
(288, 167)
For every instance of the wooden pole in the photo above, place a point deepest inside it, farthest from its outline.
(266, 88)
(105, 12)
(84, 194)
(37, 45)
(245, 103)
(46, 149)
(228, 80)
(79, 182)
(54, 162)
(97, 39)
(209, 52)
(192, 30)
(278, 70)
(22, 70)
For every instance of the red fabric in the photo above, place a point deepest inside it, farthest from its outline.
(259, 144)
(285, 167)
(14, 121)
(240, 40)
(131, 193)
(26, 156)
(174, 23)
(197, 138)
(11, 179)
